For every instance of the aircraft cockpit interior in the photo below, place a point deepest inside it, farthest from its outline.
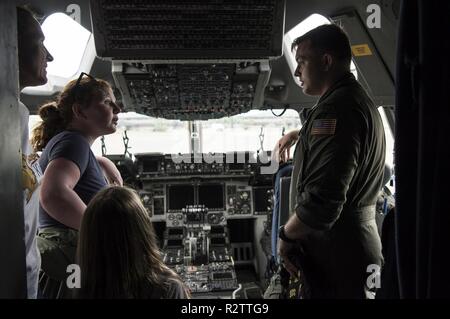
(206, 89)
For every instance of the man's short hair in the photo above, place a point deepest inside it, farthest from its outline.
(24, 16)
(328, 38)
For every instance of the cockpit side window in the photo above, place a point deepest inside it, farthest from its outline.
(389, 143)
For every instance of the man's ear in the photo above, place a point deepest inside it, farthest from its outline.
(78, 111)
(327, 60)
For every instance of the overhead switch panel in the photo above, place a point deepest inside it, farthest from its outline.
(188, 29)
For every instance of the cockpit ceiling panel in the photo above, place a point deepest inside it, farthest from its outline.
(191, 91)
(188, 29)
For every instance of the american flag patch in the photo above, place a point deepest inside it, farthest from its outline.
(323, 127)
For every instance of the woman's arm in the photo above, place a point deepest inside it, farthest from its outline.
(57, 195)
(110, 170)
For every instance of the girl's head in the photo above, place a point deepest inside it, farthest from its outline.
(117, 251)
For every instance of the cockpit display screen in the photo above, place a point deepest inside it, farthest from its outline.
(212, 196)
(180, 196)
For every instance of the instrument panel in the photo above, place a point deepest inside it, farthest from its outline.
(199, 198)
(228, 185)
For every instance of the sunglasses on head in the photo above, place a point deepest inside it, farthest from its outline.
(77, 85)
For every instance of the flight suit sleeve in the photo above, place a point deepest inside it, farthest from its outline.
(334, 145)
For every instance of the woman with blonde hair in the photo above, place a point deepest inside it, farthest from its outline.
(117, 251)
(85, 110)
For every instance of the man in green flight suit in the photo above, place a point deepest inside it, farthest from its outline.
(331, 236)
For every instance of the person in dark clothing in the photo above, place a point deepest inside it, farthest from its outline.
(338, 170)
(72, 175)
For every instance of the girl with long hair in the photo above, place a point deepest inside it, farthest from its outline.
(117, 251)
